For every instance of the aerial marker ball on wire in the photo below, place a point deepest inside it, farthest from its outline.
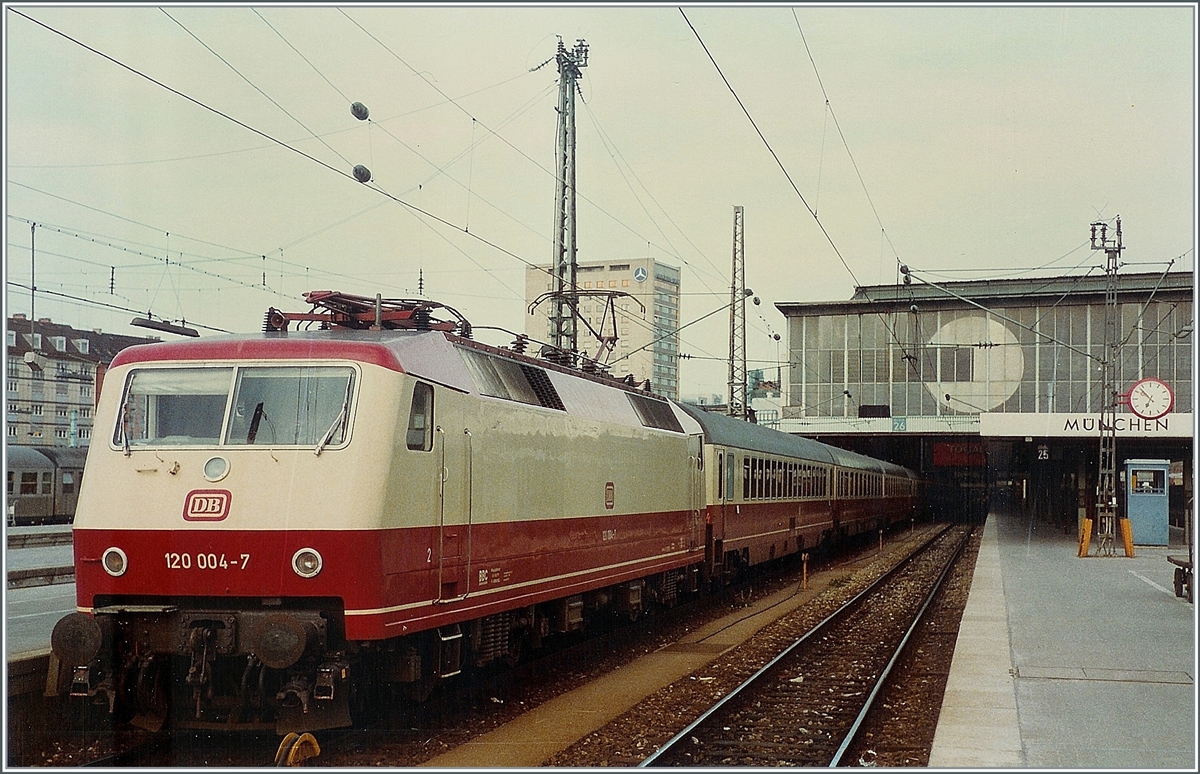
(362, 174)
(359, 111)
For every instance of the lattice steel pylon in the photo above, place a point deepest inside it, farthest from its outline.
(737, 323)
(564, 333)
(1106, 471)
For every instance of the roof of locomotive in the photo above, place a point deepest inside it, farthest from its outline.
(728, 431)
(405, 350)
(430, 355)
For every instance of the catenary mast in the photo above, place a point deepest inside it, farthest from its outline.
(563, 332)
(737, 323)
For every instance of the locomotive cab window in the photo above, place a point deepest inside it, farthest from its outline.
(271, 406)
(420, 418)
(173, 406)
(294, 405)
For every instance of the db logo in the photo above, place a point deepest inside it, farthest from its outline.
(206, 505)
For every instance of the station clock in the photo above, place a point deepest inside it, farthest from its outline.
(1151, 398)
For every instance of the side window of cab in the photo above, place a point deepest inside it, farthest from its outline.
(420, 418)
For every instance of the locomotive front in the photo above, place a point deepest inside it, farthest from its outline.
(221, 527)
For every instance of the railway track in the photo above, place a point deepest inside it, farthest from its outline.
(806, 706)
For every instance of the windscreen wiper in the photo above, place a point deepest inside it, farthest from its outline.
(337, 421)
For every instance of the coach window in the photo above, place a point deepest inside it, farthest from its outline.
(29, 482)
(720, 476)
(420, 418)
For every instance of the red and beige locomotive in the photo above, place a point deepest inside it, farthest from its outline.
(267, 519)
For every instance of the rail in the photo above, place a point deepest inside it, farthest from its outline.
(716, 731)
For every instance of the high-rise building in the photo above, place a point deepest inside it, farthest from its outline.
(54, 374)
(647, 319)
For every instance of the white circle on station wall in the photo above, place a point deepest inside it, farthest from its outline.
(997, 364)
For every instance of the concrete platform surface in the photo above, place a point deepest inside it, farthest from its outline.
(1063, 662)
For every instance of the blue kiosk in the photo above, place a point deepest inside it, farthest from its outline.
(1146, 501)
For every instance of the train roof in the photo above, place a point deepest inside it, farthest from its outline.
(728, 431)
(27, 458)
(66, 456)
(439, 357)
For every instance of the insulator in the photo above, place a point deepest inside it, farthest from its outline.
(274, 321)
(519, 344)
(464, 329)
(359, 111)
(420, 318)
(362, 174)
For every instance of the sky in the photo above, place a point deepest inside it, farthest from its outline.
(195, 163)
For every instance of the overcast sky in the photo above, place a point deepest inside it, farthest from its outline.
(981, 138)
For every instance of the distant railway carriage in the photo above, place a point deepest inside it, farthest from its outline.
(771, 493)
(43, 483)
(276, 524)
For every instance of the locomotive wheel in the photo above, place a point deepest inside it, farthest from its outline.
(421, 689)
(513, 657)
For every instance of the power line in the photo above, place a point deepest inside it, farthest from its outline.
(491, 131)
(841, 134)
(255, 86)
(774, 155)
(103, 304)
(302, 56)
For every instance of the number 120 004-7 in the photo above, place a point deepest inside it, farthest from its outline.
(205, 561)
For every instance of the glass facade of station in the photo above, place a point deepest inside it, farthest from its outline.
(1035, 346)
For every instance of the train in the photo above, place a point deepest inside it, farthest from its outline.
(43, 484)
(274, 526)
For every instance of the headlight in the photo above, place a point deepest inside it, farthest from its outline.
(216, 468)
(114, 562)
(306, 562)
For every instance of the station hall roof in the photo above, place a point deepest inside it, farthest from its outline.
(1027, 291)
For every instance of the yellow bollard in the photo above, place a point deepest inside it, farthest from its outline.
(1085, 537)
(1127, 536)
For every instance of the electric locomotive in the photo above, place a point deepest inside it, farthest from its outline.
(273, 525)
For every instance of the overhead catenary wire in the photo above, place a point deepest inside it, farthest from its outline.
(487, 128)
(838, 126)
(93, 302)
(375, 187)
(259, 132)
(255, 86)
(771, 150)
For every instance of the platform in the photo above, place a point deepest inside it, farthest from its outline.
(1063, 662)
